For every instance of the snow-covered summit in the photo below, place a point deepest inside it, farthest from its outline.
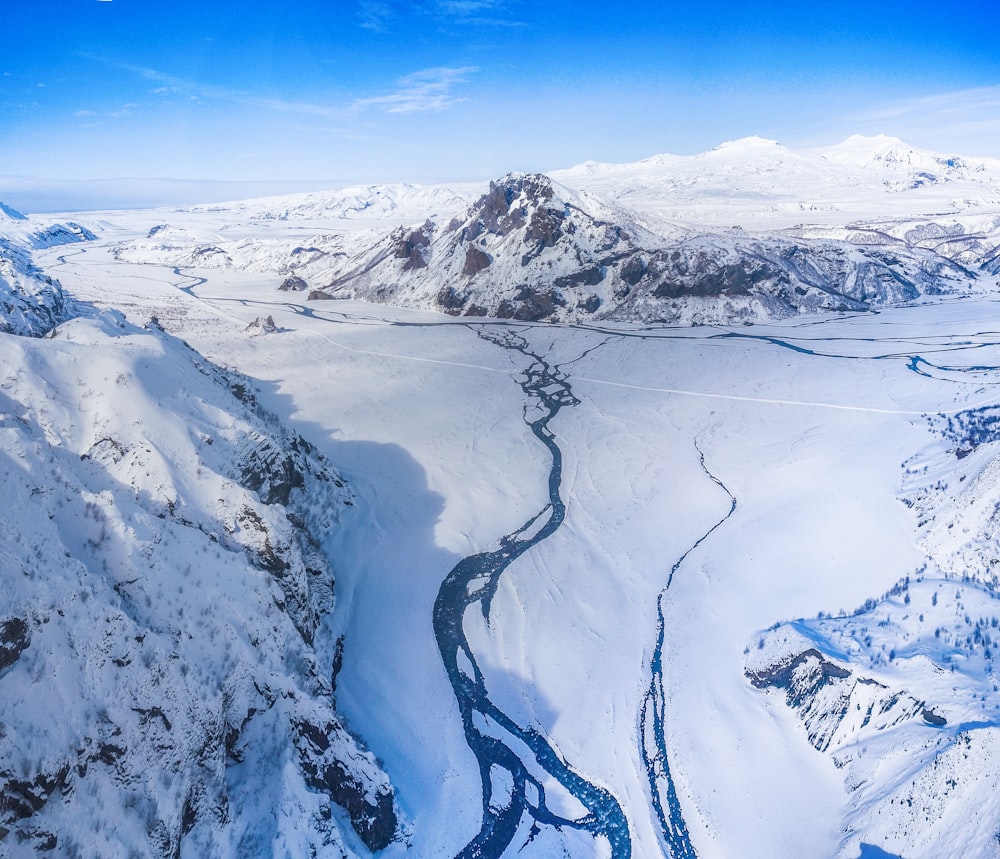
(883, 151)
(743, 147)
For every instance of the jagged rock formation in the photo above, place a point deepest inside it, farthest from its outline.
(834, 702)
(262, 325)
(293, 283)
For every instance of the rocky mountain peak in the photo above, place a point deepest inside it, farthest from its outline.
(507, 205)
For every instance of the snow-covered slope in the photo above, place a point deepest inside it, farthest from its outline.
(168, 675)
(631, 508)
(400, 202)
(901, 693)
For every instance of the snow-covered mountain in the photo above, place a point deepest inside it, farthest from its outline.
(365, 203)
(760, 184)
(167, 669)
(747, 232)
(531, 249)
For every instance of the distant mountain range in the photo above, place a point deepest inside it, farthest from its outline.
(746, 232)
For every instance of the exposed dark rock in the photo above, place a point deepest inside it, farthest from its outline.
(21, 798)
(262, 326)
(319, 295)
(293, 283)
(495, 213)
(315, 253)
(270, 472)
(713, 279)
(821, 671)
(590, 304)
(823, 694)
(374, 819)
(14, 640)
(475, 261)
(544, 230)
(590, 276)
(450, 300)
(476, 310)
(200, 254)
(530, 305)
(932, 718)
(410, 246)
(505, 309)
(633, 270)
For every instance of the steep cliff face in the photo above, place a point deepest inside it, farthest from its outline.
(167, 669)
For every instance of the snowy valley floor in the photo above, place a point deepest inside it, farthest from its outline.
(807, 425)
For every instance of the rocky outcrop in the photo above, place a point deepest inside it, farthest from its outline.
(14, 640)
(293, 283)
(475, 261)
(832, 702)
(412, 245)
(262, 325)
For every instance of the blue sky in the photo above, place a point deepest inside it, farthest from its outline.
(287, 95)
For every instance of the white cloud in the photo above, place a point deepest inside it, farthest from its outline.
(373, 15)
(467, 7)
(428, 90)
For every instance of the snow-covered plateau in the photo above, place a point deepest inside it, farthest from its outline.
(478, 521)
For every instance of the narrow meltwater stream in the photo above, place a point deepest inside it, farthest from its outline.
(653, 716)
(494, 738)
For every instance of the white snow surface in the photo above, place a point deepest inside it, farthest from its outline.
(860, 450)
